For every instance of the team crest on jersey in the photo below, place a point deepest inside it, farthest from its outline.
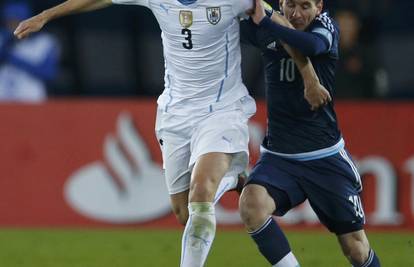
(186, 18)
(213, 15)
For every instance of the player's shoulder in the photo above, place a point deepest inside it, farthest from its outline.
(324, 21)
(241, 6)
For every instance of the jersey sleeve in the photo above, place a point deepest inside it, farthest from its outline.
(309, 44)
(132, 2)
(323, 26)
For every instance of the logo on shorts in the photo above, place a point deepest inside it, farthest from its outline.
(213, 15)
(356, 201)
(228, 140)
(186, 18)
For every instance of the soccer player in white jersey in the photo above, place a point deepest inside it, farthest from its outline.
(203, 112)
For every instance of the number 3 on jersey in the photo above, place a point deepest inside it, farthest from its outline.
(187, 34)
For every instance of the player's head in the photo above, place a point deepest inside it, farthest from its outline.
(301, 12)
(13, 12)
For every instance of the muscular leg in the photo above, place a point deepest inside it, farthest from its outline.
(256, 209)
(179, 204)
(201, 226)
(356, 249)
(207, 174)
(255, 206)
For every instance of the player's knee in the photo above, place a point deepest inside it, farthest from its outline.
(357, 254)
(202, 190)
(253, 209)
(181, 213)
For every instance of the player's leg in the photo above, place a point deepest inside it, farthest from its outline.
(173, 133)
(179, 205)
(258, 202)
(346, 221)
(219, 153)
(200, 230)
(356, 248)
(333, 186)
(354, 244)
(256, 208)
(177, 176)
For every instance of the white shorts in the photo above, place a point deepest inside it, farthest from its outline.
(183, 139)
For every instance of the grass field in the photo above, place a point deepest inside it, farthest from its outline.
(148, 248)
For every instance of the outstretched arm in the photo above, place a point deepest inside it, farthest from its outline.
(36, 23)
(314, 93)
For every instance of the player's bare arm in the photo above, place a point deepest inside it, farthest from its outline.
(315, 93)
(36, 23)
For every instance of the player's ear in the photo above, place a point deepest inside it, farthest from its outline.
(281, 5)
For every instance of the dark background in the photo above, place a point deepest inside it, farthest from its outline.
(117, 51)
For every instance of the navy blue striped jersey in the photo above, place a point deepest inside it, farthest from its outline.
(292, 127)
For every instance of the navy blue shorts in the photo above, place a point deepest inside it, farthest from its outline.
(331, 184)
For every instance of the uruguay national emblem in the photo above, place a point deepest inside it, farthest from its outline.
(213, 15)
(186, 18)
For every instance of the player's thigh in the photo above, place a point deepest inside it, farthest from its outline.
(276, 175)
(333, 188)
(173, 133)
(224, 132)
(255, 202)
(176, 156)
(207, 173)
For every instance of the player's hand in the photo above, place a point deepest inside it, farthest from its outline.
(317, 95)
(259, 12)
(31, 25)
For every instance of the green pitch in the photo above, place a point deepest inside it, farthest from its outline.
(147, 248)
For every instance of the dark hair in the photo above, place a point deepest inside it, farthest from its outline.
(316, 1)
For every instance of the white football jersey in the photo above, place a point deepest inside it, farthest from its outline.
(202, 52)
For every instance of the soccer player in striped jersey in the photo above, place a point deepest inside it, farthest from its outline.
(303, 155)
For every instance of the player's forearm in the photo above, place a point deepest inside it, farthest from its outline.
(73, 6)
(304, 65)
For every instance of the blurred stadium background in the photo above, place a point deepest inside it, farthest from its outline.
(81, 183)
(109, 52)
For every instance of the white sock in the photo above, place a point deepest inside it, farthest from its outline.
(227, 183)
(198, 234)
(288, 261)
